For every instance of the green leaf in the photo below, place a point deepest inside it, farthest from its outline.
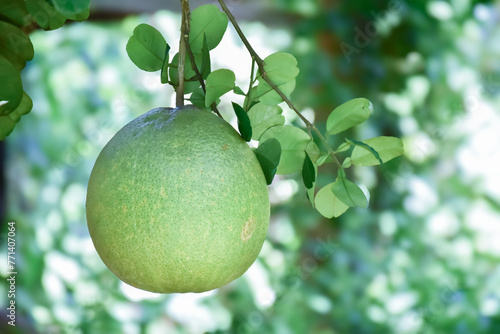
(165, 66)
(198, 98)
(23, 108)
(77, 10)
(237, 90)
(268, 153)
(293, 143)
(349, 114)
(206, 66)
(251, 99)
(243, 122)
(263, 116)
(191, 86)
(328, 204)
(313, 151)
(366, 147)
(308, 172)
(280, 68)
(15, 12)
(324, 158)
(347, 162)
(207, 20)
(267, 95)
(343, 147)
(349, 193)
(147, 48)
(11, 87)
(310, 191)
(15, 45)
(45, 14)
(7, 125)
(387, 148)
(8, 122)
(219, 82)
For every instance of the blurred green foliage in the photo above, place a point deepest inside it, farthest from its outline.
(422, 259)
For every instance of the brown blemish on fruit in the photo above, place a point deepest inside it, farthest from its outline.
(248, 229)
(225, 147)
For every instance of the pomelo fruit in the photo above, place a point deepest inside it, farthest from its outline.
(177, 202)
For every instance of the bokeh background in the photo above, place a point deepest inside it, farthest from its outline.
(423, 258)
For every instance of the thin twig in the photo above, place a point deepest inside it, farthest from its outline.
(195, 68)
(263, 74)
(179, 101)
(198, 74)
(214, 108)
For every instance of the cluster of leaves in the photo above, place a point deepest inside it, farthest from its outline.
(283, 149)
(17, 17)
(375, 151)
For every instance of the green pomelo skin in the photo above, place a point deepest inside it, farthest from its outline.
(177, 202)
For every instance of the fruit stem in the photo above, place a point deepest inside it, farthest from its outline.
(263, 74)
(179, 101)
